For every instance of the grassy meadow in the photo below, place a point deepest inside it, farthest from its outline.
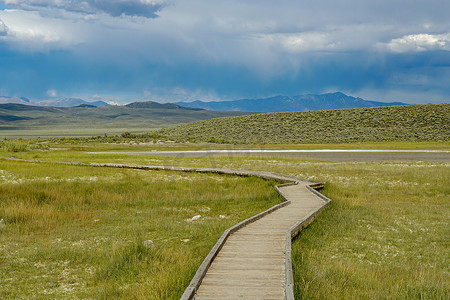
(81, 232)
(385, 235)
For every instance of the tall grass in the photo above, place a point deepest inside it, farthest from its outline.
(79, 232)
(21, 145)
(385, 236)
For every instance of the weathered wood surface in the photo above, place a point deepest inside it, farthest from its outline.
(251, 264)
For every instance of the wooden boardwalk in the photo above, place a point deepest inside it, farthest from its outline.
(251, 264)
(254, 261)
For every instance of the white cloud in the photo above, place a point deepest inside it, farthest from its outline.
(52, 93)
(299, 42)
(3, 29)
(258, 36)
(31, 31)
(419, 43)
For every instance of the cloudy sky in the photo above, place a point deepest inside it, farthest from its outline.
(168, 50)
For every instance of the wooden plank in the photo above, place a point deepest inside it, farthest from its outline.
(251, 264)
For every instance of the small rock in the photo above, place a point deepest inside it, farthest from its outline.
(148, 244)
(222, 216)
(194, 218)
(185, 240)
(96, 220)
(2, 223)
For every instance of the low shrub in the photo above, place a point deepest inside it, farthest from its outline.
(21, 146)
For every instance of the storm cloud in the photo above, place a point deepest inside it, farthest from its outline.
(381, 50)
(141, 8)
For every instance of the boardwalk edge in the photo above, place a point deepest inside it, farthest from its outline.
(293, 232)
(191, 290)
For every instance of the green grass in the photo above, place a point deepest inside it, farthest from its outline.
(97, 145)
(78, 232)
(22, 145)
(412, 123)
(385, 236)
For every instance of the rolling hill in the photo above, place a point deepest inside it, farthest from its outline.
(151, 104)
(18, 120)
(21, 100)
(64, 102)
(271, 104)
(429, 122)
(285, 103)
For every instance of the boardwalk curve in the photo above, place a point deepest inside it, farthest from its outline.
(252, 259)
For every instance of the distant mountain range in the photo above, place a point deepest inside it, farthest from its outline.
(271, 104)
(69, 102)
(151, 104)
(64, 102)
(286, 103)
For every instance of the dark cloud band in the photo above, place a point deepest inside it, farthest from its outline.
(115, 8)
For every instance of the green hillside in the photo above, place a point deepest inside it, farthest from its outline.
(412, 123)
(17, 120)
